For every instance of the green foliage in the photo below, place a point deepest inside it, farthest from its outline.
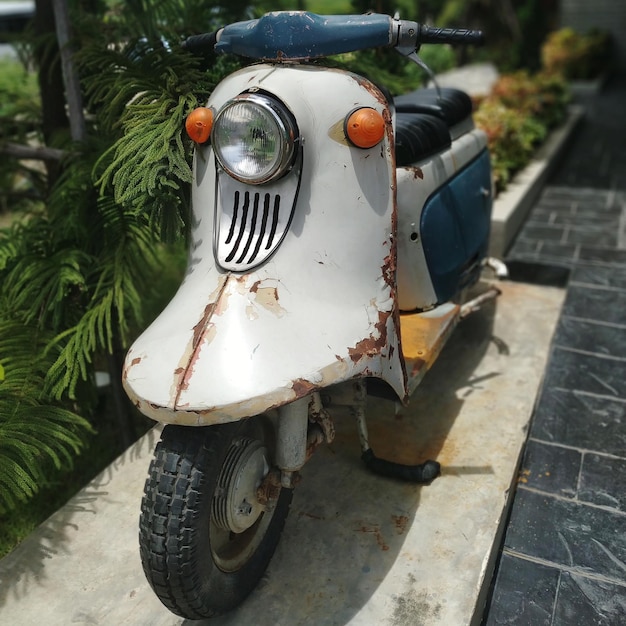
(406, 8)
(517, 116)
(438, 58)
(452, 12)
(542, 96)
(78, 271)
(523, 107)
(512, 137)
(395, 72)
(142, 93)
(20, 108)
(18, 91)
(536, 18)
(575, 55)
(35, 433)
(80, 274)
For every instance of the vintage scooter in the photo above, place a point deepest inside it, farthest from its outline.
(335, 231)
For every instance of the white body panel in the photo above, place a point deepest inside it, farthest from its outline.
(323, 309)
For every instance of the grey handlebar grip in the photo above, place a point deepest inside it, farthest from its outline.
(431, 34)
(201, 43)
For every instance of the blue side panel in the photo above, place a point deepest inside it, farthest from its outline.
(455, 227)
(303, 35)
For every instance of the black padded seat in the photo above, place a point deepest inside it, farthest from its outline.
(453, 107)
(419, 136)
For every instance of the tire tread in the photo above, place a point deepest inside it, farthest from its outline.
(171, 516)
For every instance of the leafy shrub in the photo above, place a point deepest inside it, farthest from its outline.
(18, 90)
(438, 58)
(19, 114)
(576, 56)
(523, 107)
(517, 116)
(512, 137)
(542, 96)
(396, 73)
(35, 435)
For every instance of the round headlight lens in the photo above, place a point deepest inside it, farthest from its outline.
(254, 138)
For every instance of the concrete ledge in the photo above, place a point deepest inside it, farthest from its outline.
(588, 88)
(514, 203)
(357, 549)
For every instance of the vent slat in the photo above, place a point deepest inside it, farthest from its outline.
(275, 216)
(266, 212)
(231, 231)
(242, 227)
(252, 233)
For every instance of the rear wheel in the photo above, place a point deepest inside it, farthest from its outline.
(205, 536)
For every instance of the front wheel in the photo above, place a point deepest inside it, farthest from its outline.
(205, 537)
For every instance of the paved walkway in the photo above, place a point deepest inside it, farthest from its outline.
(563, 559)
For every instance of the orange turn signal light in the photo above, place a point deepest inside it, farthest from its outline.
(365, 127)
(198, 124)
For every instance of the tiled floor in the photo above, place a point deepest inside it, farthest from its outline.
(572, 225)
(563, 560)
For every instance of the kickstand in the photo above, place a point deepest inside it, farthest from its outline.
(423, 473)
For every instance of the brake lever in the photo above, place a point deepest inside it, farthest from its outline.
(415, 58)
(406, 45)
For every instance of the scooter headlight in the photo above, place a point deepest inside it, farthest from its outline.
(254, 138)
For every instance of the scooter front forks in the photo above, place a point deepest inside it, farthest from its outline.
(291, 440)
(305, 423)
(302, 426)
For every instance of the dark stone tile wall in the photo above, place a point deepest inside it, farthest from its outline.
(564, 555)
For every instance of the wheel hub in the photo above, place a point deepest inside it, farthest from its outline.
(235, 505)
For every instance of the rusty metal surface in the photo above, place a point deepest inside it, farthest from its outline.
(423, 337)
(357, 549)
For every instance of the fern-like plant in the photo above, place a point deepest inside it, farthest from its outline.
(35, 434)
(75, 276)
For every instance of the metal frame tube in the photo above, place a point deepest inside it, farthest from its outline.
(293, 420)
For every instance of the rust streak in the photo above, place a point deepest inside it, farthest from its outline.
(302, 387)
(307, 514)
(417, 366)
(388, 270)
(199, 328)
(372, 90)
(371, 345)
(375, 530)
(202, 330)
(401, 522)
(417, 172)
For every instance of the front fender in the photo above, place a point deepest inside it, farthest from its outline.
(254, 345)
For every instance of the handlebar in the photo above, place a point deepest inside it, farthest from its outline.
(299, 35)
(430, 34)
(201, 43)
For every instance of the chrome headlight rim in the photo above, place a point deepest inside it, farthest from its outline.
(287, 134)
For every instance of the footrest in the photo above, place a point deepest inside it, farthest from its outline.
(423, 336)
